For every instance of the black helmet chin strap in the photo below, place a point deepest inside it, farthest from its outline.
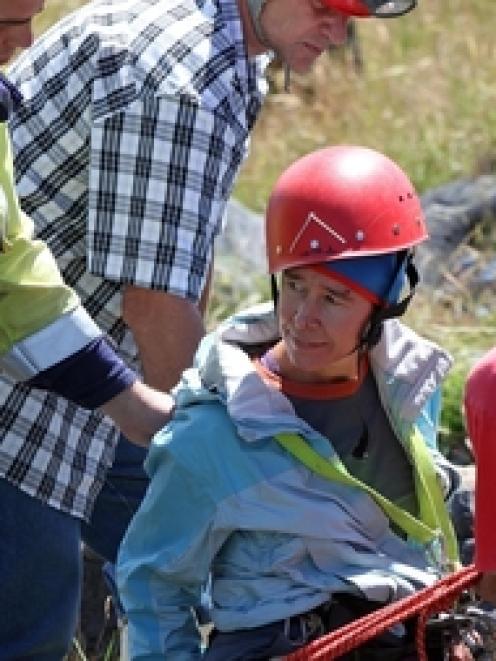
(373, 330)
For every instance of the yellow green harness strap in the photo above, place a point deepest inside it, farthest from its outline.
(434, 516)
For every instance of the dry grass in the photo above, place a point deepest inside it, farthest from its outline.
(426, 97)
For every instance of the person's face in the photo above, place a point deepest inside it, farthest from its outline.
(320, 322)
(300, 30)
(15, 25)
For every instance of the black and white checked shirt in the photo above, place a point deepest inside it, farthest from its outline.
(135, 122)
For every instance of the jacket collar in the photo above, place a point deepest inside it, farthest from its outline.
(408, 370)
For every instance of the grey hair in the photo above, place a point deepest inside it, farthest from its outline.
(255, 9)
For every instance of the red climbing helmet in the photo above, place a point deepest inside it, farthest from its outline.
(379, 8)
(341, 202)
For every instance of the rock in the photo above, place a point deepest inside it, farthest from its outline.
(243, 237)
(452, 212)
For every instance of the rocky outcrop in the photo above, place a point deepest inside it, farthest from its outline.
(453, 211)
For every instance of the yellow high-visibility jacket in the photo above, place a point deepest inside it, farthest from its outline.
(36, 306)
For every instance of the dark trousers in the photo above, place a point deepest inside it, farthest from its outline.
(40, 571)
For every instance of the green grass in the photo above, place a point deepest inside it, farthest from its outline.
(466, 338)
(426, 98)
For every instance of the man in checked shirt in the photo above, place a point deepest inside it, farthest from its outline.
(49, 341)
(135, 120)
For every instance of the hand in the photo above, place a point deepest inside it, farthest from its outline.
(140, 411)
(460, 652)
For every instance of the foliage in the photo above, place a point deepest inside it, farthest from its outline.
(452, 429)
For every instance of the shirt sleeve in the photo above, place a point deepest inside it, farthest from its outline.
(160, 174)
(481, 425)
(90, 377)
(45, 334)
(166, 554)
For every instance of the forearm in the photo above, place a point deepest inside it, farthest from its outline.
(96, 377)
(140, 411)
(167, 330)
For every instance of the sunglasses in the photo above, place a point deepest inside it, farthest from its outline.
(379, 8)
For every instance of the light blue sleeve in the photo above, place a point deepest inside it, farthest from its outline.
(165, 557)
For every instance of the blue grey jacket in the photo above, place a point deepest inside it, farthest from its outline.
(226, 499)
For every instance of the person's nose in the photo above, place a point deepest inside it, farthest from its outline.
(335, 27)
(306, 314)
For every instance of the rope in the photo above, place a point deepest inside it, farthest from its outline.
(423, 604)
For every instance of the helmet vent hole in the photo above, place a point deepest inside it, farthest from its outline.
(360, 235)
(396, 230)
(401, 198)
